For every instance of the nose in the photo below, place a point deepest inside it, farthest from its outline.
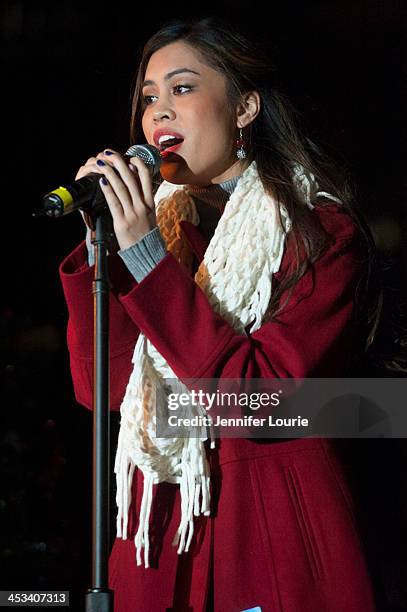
(164, 111)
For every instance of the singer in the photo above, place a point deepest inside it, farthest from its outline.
(248, 260)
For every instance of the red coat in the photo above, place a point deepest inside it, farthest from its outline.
(282, 535)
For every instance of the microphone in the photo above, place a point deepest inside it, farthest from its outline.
(85, 193)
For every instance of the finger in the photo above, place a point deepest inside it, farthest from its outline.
(112, 200)
(109, 159)
(144, 175)
(118, 184)
(86, 168)
(137, 178)
(126, 227)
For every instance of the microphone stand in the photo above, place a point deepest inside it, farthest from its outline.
(99, 598)
(59, 202)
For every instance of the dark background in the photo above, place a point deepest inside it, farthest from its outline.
(67, 73)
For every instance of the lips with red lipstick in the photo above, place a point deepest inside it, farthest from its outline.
(167, 141)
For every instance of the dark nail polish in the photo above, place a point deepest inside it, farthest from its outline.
(100, 162)
(103, 180)
(108, 152)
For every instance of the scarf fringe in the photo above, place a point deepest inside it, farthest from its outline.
(192, 488)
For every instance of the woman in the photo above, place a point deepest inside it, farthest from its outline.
(277, 291)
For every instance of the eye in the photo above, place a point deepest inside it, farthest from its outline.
(147, 100)
(181, 89)
(177, 90)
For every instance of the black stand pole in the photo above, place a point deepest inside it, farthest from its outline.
(99, 598)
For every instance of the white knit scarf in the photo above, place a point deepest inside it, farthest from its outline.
(236, 276)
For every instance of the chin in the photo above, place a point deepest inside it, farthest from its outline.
(171, 175)
(176, 171)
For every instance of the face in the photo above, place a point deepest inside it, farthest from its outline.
(185, 100)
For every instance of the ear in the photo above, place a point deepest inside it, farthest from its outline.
(248, 109)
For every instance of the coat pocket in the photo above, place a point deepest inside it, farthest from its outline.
(303, 520)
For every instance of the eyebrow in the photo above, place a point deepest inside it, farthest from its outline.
(170, 75)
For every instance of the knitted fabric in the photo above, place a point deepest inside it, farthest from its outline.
(236, 276)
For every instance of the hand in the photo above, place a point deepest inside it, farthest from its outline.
(128, 194)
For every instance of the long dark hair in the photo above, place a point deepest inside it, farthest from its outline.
(277, 143)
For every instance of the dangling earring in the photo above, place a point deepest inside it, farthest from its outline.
(240, 143)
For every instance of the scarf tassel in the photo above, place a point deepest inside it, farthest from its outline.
(193, 487)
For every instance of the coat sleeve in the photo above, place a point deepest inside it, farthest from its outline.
(77, 277)
(313, 337)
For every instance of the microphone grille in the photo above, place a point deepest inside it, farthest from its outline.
(149, 154)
